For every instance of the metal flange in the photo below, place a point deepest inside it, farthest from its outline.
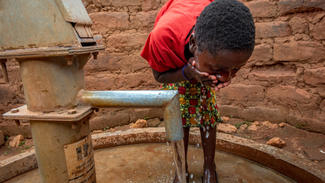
(49, 52)
(71, 115)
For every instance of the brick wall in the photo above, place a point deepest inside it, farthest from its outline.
(284, 80)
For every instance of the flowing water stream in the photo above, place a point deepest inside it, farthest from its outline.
(179, 159)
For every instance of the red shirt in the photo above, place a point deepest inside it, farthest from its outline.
(164, 48)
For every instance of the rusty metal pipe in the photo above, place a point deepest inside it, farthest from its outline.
(141, 98)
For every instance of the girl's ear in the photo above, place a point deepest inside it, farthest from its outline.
(192, 44)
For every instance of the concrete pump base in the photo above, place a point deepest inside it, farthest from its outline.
(142, 155)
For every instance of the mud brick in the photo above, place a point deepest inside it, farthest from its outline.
(272, 29)
(298, 51)
(258, 8)
(104, 21)
(315, 76)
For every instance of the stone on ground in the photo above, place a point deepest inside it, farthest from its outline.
(252, 127)
(225, 118)
(226, 128)
(154, 122)
(243, 127)
(282, 125)
(269, 124)
(140, 123)
(97, 131)
(16, 140)
(276, 142)
(256, 123)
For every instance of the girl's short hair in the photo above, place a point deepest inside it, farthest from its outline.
(225, 24)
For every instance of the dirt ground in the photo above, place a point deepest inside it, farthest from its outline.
(304, 144)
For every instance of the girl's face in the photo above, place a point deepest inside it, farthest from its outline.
(224, 65)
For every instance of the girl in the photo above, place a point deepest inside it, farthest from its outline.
(196, 47)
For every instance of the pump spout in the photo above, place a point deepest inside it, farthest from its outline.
(168, 99)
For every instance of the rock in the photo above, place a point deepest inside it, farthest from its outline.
(140, 123)
(269, 124)
(257, 123)
(252, 127)
(153, 122)
(225, 118)
(16, 141)
(282, 125)
(2, 138)
(243, 127)
(276, 142)
(226, 128)
(97, 131)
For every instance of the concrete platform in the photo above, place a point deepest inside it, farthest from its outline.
(141, 155)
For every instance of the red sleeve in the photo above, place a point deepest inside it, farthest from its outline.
(164, 48)
(161, 50)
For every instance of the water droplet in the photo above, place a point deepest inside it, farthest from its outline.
(207, 135)
(191, 176)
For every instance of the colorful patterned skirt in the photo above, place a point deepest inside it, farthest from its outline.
(197, 102)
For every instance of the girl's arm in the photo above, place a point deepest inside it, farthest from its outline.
(188, 72)
(171, 76)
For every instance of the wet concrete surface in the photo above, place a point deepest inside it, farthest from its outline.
(153, 163)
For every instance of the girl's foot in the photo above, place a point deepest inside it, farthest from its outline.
(210, 176)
